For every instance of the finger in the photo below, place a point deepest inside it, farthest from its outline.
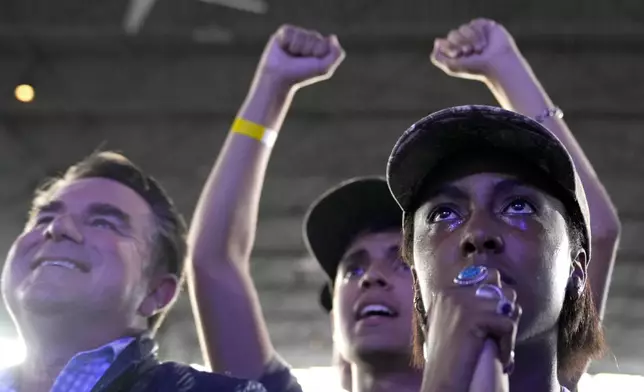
(336, 54)
(490, 324)
(459, 41)
(507, 343)
(509, 293)
(483, 26)
(284, 36)
(297, 43)
(310, 41)
(321, 48)
(474, 37)
(446, 49)
(493, 277)
(500, 329)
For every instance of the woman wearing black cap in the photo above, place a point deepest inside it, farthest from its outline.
(497, 231)
(484, 50)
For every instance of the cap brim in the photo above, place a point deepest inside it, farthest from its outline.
(345, 211)
(465, 130)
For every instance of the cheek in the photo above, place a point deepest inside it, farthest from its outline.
(120, 259)
(543, 254)
(19, 257)
(430, 275)
(343, 303)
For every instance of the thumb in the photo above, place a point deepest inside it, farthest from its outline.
(335, 56)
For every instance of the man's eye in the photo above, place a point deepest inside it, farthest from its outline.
(102, 223)
(43, 220)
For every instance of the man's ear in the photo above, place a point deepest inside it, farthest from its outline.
(164, 288)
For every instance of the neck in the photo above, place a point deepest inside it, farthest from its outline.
(385, 374)
(536, 365)
(51, 344)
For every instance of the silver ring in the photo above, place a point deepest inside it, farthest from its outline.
(504, 307)
(489, 291)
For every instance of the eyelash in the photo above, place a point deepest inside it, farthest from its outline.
(111, 225)
(440, 209)
(44, 220)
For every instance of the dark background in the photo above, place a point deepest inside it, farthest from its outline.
(166, 97)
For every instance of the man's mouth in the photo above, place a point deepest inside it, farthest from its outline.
(376, 310)
(60, 263)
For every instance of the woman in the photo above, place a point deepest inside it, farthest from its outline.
(497, 231)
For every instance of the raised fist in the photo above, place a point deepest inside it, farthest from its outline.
(299, 57)
(474, 50)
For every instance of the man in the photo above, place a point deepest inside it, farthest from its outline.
(233, 330)
(89, 281)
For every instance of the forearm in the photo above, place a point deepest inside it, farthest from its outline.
(227, 310)
(224, 223)
(516, 88)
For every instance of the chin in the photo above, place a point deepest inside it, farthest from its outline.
(45, 303)
(373, 349)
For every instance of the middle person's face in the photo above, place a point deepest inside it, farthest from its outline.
(374, 298)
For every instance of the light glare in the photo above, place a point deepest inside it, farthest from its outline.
(25, 93)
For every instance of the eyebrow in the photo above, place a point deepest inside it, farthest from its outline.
(106, 209)
(357, 255)
(50, 207)
(450, 191)
(508, 185)
(101, 209)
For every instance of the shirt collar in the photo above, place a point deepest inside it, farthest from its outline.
(110, 351)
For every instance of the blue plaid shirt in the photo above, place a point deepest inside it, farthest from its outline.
(81, 373)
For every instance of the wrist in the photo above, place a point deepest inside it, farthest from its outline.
(506, 67)
(273, 84)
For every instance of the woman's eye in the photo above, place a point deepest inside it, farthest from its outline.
(519, 207)
(442, 214)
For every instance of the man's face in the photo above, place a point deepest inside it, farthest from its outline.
(85, 251)
(374, 298)
(501, 222)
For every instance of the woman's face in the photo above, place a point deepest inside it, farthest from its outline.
(503, 222)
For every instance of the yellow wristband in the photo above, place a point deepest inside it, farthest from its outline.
(255, 131)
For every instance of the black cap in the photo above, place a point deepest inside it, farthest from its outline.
(341, 213)
(460, 130)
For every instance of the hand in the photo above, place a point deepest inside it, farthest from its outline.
(459, 323)
(474, 50)
(295, 57)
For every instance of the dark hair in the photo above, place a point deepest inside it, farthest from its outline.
(580, 336)
(168, 243)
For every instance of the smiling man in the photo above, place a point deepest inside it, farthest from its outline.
(89, 280)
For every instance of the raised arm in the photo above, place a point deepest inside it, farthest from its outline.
(484, 50)
(232, 329)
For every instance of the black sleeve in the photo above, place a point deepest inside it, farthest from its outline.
(277, 377)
